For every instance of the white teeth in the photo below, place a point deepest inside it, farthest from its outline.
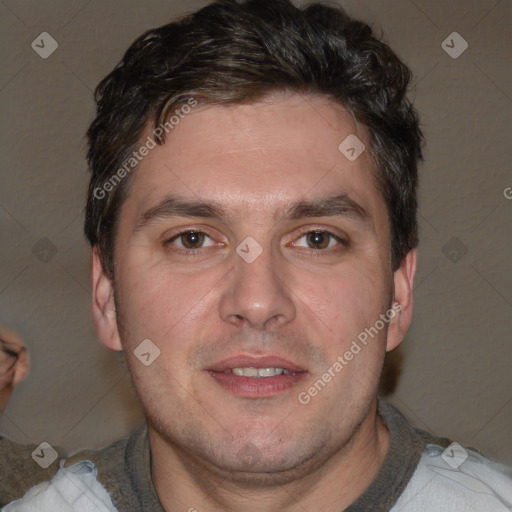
(269, 372)
(259, 372)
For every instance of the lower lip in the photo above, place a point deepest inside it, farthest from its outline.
(254, 387)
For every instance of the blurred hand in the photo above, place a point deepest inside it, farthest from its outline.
(14, 364)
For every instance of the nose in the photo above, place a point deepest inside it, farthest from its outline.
(257, 294)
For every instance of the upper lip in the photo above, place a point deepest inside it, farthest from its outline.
(247, 361)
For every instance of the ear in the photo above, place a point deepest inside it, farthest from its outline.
(403, 282)
(103, 305)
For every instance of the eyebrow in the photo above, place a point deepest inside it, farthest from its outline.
(340, 205)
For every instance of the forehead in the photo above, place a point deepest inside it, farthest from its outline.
(258, 158)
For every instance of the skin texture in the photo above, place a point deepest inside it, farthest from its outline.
(213, 450)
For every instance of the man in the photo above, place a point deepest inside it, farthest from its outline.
(252, 216)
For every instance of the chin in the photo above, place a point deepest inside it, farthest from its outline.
(252, 467)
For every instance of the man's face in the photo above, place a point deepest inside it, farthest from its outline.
(320, 280)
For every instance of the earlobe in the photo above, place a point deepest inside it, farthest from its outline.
(103, 305)
(403, 283)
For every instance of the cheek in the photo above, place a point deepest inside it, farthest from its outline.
(158, 304)
(347, 301)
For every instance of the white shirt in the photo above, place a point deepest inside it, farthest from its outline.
(451, 480)
(441, 484)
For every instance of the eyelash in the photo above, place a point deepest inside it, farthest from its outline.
(199, 251)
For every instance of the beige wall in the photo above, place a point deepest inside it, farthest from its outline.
(457, 373)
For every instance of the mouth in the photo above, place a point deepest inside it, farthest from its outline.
(256, 377)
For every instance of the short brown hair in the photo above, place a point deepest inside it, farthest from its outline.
(233, 52)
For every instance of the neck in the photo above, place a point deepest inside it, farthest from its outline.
(184, 482)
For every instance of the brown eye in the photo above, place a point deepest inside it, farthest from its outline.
(192, 239)
(191, 242)
(318, 239)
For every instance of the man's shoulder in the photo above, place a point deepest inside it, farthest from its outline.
(456, 478)
(20, 471)
(24, 466)
(423, 472)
